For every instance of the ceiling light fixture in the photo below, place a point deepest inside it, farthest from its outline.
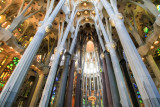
(78, 13)
(156, 42)
(85, 12)
(85, 4)
(152, 47)
(93, 12)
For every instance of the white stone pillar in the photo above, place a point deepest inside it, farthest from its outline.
(51, 76)
(154, 66)
(9, 93)
(86, 91)
(115, 63)
(111, 75)
(143, 79)
(37, 91)
(125, 101)
(90, 84)
(99, 87)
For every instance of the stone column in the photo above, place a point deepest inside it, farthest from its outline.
(90, 84)
(94, 83)
(9, 93)
(111, 76)
(61, 92)
(109, 69)
(68, 101)
(143, 79)
(125, 101)
(78, 85)
(154, 66)
(98, 85)
(82, 90)
(86, 93)
(78, 89)
(45, 71)
(37, 90)
(94, 88)
(129, 84)
(107, 83)
(105, 99)
(51, 76)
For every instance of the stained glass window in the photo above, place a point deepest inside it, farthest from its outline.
(7, 72)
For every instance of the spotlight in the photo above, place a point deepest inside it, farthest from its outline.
(156, 42)
(84, 4)
(152, 47)
(78, 13)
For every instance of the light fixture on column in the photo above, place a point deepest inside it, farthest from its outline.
(48, 28)
(152, 47)
(120, 16)
(112, 22)
(93, 12)
(85, 4)
(85, 12)
(156, 42)
(55, 50)
(78, 13)
(142, 59)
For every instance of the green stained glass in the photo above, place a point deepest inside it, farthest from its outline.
(11, 65)
(140, 101)
(145, 30)
(138, 92)
(83, 101)
(100, 70)
(158, 7)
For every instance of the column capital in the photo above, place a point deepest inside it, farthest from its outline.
(120, 16)
(112, 18)
(48, 27)
(67, 53)
(110, 45)
(102, 55)
(55, 50)
(58, 49)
